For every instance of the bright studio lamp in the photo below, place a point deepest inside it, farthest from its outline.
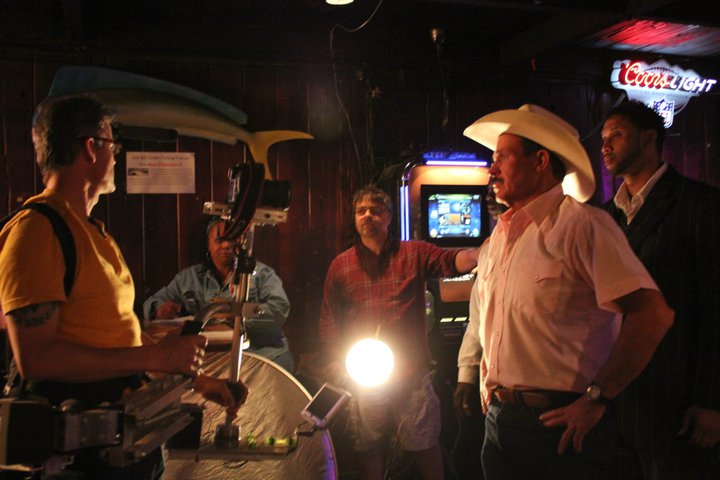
(338, 2)
(370, 362)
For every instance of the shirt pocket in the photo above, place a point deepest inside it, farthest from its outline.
(487, 269)
(543, 280)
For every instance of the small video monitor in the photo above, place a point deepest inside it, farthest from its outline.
(454, 215)
(326, 403)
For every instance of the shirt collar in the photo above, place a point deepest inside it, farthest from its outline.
(630, 204)
(544, 203)
(536, 210)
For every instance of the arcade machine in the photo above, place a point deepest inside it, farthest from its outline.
(442, 200)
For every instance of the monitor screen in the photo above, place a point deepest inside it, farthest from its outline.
(454, 215)
(326, 403)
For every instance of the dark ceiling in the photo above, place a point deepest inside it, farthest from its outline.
(487, 34)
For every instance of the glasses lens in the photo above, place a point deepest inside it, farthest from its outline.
(113, 145)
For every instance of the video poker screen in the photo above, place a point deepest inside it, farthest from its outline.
(454, 215)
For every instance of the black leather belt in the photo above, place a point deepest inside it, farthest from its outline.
(533, 398)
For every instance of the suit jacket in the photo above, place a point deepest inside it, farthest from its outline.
(676, 234)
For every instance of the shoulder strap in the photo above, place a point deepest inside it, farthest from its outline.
(62, 231)
(15, 385)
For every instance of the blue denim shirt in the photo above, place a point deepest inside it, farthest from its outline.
(196, 286)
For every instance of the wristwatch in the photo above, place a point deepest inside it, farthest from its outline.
(594, 393)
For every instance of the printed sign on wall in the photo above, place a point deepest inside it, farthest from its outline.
(160, 172)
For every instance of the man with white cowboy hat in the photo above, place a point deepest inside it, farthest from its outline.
(556, 274)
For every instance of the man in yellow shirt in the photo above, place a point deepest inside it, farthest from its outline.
(87, 342)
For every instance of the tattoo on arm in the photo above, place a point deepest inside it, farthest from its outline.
(34, 315)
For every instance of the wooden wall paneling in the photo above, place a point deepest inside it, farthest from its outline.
(325, 201)
(355, 92)
(158, 67)
(222, 80)
(673, 151)
(267, 239)
(44, 69)
(573, 103)
(188, 73)
(384, 109)
(468, 106)
(192, 239)
(414, 122)
(225, 81)
(159, 221)
(690, 123)
(124, 220)
(19, 173)
(333, 171)
(599, 96)
(123, 64)
(436, 137)
(285, 250)
(261, 107)
(711, 127)
(605, 183)
(259, 101)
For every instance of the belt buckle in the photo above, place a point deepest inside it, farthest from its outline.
(496, 395)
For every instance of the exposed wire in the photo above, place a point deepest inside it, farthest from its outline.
(304, 433)
(333, 61)
(438, 38)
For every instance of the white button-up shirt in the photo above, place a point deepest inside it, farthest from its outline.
(631, 204)
(544, 308)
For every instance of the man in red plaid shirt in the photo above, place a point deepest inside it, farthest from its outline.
(378, 285)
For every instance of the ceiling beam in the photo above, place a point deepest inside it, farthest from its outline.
(557, 30)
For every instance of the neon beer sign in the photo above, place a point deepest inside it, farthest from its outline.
(664, 87)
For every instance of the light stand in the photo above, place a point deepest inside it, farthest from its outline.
(227, 435)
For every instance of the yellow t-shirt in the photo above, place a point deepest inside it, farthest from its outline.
(99, 311)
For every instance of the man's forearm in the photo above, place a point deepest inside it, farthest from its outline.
(466, 260)
(645, 324)
(41, 354)
(70, 362)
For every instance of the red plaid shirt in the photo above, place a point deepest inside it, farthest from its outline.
(360, 294)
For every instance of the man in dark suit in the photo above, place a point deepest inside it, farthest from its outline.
(671, 413)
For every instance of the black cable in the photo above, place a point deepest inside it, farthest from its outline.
(307, 433)
(438, 39)
(333, 61)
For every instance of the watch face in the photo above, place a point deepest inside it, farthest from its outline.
(593, 392)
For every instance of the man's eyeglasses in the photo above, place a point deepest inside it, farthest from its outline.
(377, 210)
(113, 145)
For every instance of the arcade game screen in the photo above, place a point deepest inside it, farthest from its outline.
(454, 215)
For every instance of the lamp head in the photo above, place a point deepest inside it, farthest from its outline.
(370, 362)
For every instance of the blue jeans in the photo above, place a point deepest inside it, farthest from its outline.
(518, 446)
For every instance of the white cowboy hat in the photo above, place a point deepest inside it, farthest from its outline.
(547, 129)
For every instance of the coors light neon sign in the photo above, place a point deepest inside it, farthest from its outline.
(664, 87)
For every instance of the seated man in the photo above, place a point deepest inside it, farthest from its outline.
(196, 286)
